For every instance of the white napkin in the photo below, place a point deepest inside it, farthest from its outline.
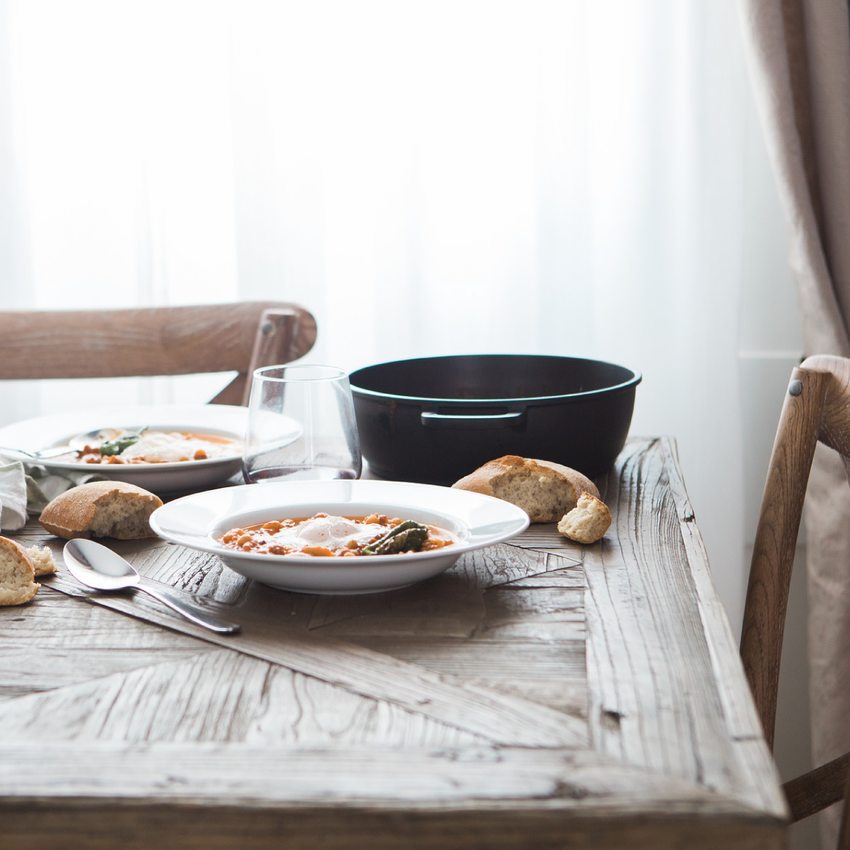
(28, 489)
(13, 495)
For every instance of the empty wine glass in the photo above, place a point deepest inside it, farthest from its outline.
(301, 425)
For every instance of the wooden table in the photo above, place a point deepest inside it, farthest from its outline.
(538, 695)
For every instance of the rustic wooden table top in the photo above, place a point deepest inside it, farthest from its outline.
(539, 694)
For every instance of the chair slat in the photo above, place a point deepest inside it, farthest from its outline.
(776, 536)
(817, 789)
(817, 407)
(140, 342)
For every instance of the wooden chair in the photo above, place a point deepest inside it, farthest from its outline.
(817, 407)
(237, 337)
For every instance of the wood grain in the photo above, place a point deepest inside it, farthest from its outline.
(153, 341)
(388, 798)
(218, 695)
(54, 642)
(284, 334)
(776, 535)
(501, 717)
(477, 827)
(667, 712)
(539, 694)
(817, 789)
(816, 407)
(428, 776)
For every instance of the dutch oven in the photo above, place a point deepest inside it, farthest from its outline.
(435, 419)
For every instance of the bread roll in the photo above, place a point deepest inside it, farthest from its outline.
(101, 509)
(16, 574)
(543, 489)
(588, 521)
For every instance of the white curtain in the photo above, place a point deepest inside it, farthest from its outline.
(578, 178)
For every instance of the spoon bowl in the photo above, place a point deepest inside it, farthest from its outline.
(98, 436)
(98, 567)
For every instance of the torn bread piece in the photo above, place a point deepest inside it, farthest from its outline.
(101, 509)
(543, 489)
(42, 560)
(588, 521)
(17, 574)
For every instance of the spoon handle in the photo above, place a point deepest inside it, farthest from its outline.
(18, 453)
(35, 457)
(189, 611)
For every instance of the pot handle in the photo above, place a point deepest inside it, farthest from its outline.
(474, 420)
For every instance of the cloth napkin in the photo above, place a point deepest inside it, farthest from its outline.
(26, 489)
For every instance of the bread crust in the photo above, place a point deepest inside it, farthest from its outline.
(72, 513)
(26, 589)
(483, 479)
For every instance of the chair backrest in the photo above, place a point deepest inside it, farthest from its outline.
(236, 337)
(816, 407)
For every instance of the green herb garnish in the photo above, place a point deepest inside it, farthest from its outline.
(115, 447)
(407, 536)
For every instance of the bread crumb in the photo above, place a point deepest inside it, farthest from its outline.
(42, 560)
(588, 521)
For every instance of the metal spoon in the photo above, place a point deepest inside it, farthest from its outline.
(97, 566)
(75, 444)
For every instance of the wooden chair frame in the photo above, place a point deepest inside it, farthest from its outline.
(816, 408)
(187, 340)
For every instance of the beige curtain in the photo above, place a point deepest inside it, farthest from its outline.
(800, 61)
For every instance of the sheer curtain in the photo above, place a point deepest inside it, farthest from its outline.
(579, 178)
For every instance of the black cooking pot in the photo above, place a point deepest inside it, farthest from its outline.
(435, 419)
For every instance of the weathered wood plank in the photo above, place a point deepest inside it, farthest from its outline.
(569, 577)
(655, 698)
(497, 716)
(757, 769)
(533, 613)
(197, 827)
(347, 777)
(303, 711)
(269, 615)
(458, 792)
(57, 641)
(550, 673)
(543, 536)
(194, 572)
(479, 656)
(220, 696)
(467, 601)
(144, 341)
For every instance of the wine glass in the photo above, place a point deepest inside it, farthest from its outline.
(301, 425)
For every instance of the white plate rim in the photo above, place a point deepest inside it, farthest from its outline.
(503, 511)
(224, 418)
